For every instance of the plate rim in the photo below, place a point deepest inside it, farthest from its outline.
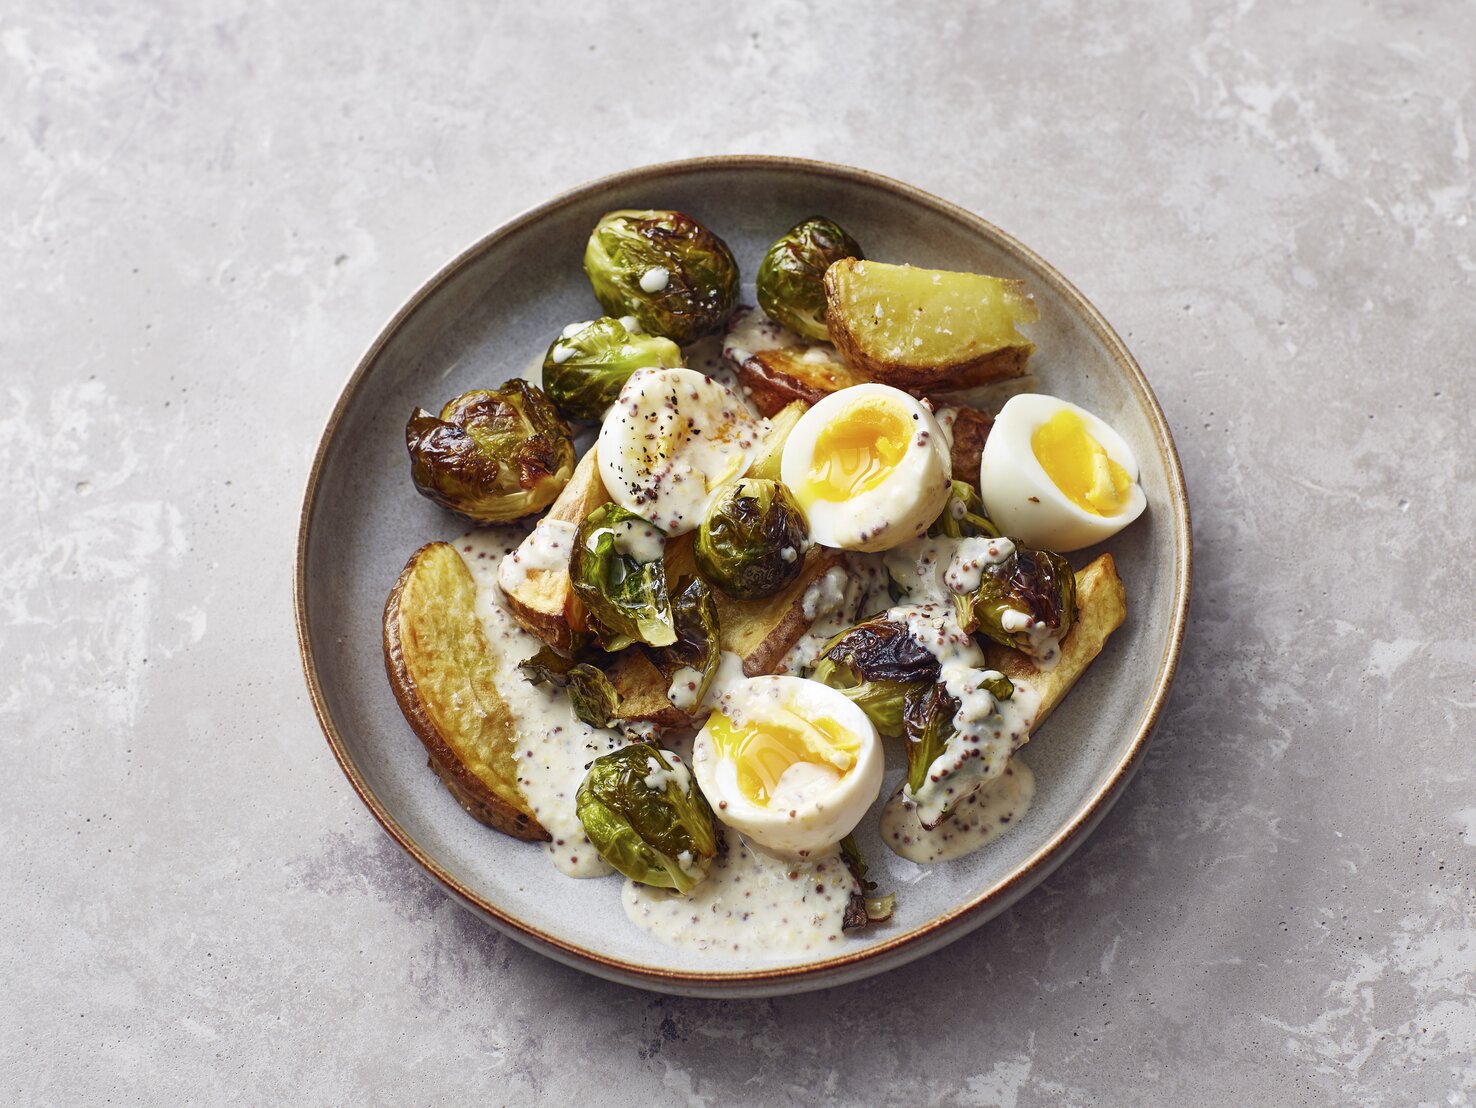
(927, 936)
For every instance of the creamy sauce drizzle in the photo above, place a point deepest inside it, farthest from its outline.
(979, 819)
(750, 332)
(554, 747)
(752, 903)
(548, 546)
(837, 600)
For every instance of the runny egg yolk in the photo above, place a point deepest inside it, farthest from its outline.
(857, 450)
(762, 751)
(1079, 466)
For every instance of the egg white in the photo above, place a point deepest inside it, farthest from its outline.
(670, 441)
(834, 809)
(901, 506)
(1020, 496)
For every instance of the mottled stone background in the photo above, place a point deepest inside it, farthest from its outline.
(208, 209)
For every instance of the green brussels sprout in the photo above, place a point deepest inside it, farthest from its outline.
(1026, 602)
(753, 539)
(643, 812)
(584, 372)
(697, 645)
(790, 281)
(666, 269)
(624, 592)
(963, 516)
(492, 455)
(591, 695)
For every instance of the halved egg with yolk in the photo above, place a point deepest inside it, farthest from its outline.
(1054, 475)
(869, 467)
(789, 762)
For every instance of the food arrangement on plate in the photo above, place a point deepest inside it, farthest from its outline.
(803, 533)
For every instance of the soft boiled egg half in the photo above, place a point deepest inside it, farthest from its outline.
(671, 440)
(789, 762)
(1055, 476)
(869, 467)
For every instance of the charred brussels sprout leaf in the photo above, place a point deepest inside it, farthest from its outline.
(492, 455)
(791, 278)
(881, 649)
(583, 373)
(927, 719)
(591, 695)
(866, 906)
(619, 572)
(963, 516)
(752, 541)
(697, 645)
(643, 812)
(675, 276)
(877, 665)
(1027, 602)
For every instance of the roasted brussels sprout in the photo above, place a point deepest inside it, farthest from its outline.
(877, 664)
(791, 278)
(1027, 601)
(618, 570)
(584, 372)
(591, 695)
(666, 269)
(643, 812)
(752, 541)
(963, 516)
(927, 719)
(492, 455)
(928, 716)
(697, 648)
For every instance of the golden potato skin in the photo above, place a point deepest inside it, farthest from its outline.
(774, 379)
(970, 431)
(441, 670)
(920, 371)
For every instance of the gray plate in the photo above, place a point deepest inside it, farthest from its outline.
(484, 318)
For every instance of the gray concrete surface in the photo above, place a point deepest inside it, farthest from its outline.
(210, 208)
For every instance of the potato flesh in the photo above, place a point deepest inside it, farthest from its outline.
(903, 315)
(451, 672)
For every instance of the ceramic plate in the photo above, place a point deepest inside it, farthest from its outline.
(486, 317)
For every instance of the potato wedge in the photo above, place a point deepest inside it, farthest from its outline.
(770, 452)
(544, 601)
(772, 379)
(970, 430)
(443, 676)
(758, 631)
(1101, 607)
(925, 330)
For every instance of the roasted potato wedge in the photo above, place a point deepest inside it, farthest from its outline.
(442, 673)
(1101, 607)
(544, 601)
(758, 631)
(926, 330)
(773, 379)
(770, 454)
(970, 430)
